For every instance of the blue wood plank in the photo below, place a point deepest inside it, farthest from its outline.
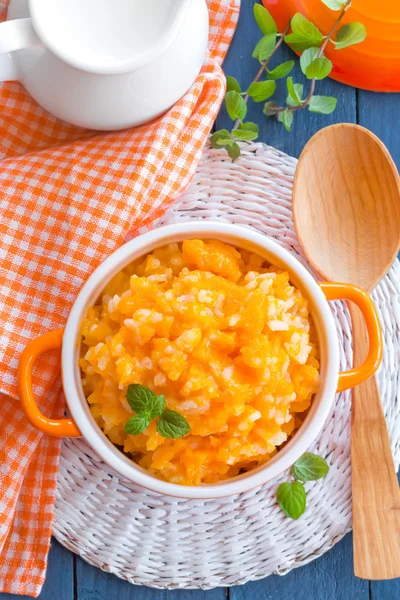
(385, 590)
(59, 584)
(328, 578)
(93, 584)
(379, 113)
(241, 65)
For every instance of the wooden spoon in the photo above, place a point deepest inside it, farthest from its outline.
(346, 207)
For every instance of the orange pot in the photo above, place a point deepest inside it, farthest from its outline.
(82, 422)
(372, 65)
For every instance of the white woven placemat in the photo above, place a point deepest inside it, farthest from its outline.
(166, 542)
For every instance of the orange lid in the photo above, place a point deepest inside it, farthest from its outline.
(372, 65)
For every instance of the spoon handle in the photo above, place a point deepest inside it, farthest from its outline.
(375, 490)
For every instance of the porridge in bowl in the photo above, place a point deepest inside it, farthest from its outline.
(223, 336)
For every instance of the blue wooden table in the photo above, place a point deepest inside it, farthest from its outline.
(330, 577)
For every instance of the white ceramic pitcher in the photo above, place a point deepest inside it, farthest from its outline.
(104, 64)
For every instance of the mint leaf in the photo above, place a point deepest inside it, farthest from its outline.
(293, 91)
(233, 151)
(292, 499)
(281, 70)
(334, 4)
(157, 406)
(298, 92)
(307, 58)
(350, 34)
(137, 424)
(325, 105)
(144, 402)
(249, 126)
(235, 105)
(261, 90)
(302, 26)
(172, 425)
(310, 467)
(264, 47)
(319, 68)
(298, 44)
(244, 135)
(222, 142)
(270, 109)
(218, 135)
(232, 84)
(304, 34)
(286, 118)
(264, 20)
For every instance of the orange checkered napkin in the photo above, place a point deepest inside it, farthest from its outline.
(68, 198)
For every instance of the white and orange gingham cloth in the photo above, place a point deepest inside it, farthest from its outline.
(68, 198)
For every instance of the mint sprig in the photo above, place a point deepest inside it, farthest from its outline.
(303, 36)
(291, 495)
(148, 406)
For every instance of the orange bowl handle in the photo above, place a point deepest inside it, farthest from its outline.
(345, 291)
(56, 427)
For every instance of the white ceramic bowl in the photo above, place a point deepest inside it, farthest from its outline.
(240, 237)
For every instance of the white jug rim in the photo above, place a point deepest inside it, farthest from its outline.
(62, 26)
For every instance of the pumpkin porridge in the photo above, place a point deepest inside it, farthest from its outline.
(223, 336)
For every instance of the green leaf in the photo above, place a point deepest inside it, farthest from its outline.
(298, 91)
(244, 135)
(235, 105)
(292, 499)
(270, 109)
(144, 402)
(304, 34)
(325, 105)
(223, 142)
(350, 34)
(281, 70)
(264, 47)
(310, 467)
(334, 4)
(286, 118)
(261, 90)
(298, 44)
(293, 91)
(172, 425)
(232, 84)
(219, 135)
(234, 151)
(249, 126)
(137, 424)
(319, 68)
(264, 20)
(302, 26)
(307, 58)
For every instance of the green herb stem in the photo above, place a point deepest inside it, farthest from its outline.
(327, 39)
(263, 67)
(304, 37)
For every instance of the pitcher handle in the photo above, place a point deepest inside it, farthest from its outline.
(15, 35)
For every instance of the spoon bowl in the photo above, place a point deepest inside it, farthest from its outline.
(346, 209)
(346, 205)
